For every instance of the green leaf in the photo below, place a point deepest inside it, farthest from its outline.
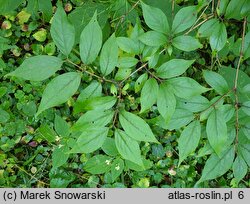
(117, 168)
(4, 116)
(234, 9)
(216, 81)
(239, 168)
(218, 38)
(217, 166)
(246, 107)
(127, 147)
(186, 43)
(37, 68)
(98, 118)
(90, 41)
(166, 102)
(98, 164)
(149, 94)
(7, 6)
(216, 129)
(189, 140)
(128, 45)
(194, 104)
(91, 139)
(99, 103)
(109, 147)
(59, 90)
(45, 6)
(153, 38)
(60, 156)
(139, 83)
(184, 19)
(135, 127)
(155, 18)
(185, 87)
(173, 68)
(62, 31)
(60, 178)
(109, 56)
(127, 62)
(244, 148)
(61, 126)
(207, 28)
(47, 133)
(91, 91)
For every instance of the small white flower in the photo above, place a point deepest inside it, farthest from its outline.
(107, 162)
(58, 138)
(60, 146)
(117, 168)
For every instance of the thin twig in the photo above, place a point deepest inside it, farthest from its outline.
(236, 82)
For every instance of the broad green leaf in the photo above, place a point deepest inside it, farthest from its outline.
(180, 118)
(217, 166)
(4, 116)
(166, 102)
(227, 111)
(99, 103)
(206, 150)
(186, 43)
(234, 9)
(61, 126)
(117, 168)
(244, 148)
(98, 164)
(109, 147)
(98, 118)
(127, 62)
(127, 147)
(185, 87)
(59, 90)
(216, 81)
(218, 38)
(207, 28)
(173, 68)
(153, 38)
(91, 91)
(60, 156)
(149, 94)
(109, 56)
(128, 45)
(147, 164)
(136, 127)
(222, 7)
(62, 31)
(45, 6)
(189, 140)
(60, 178)
(246, 130)
(216, 129)
(239, 168)
(90, 41)
(184, 19)
(37, 68)
(47, 133)
(91, 139)
(155, 18)
(139, 83)
(194, 104)
(7, 6)
(246, 107)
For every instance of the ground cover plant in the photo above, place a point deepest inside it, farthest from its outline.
(125, 93)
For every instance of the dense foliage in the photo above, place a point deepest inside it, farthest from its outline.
(125, 93)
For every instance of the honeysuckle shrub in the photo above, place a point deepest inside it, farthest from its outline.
(123, 93)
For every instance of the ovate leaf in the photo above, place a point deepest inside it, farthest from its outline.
(109, 147)
(189, 140)
(173, 68)
(239, 168)
(91, 139)
(186, 43)
(45, 132)
(59, 90)
(153, 38)
(149, 94)
(37, 68)
(62, 31)
(166, 102)
(217, 166)
(135, 127)
(98, 164)
(109, 56)
(216, 81)
(60, 156)
(184, 19)
(218, 38)
(61, 126)
(90, 41)
(99, 103)
(185, 87)
(155, 18)
(246, 107)
(117, 168)
(217, 131)
(127, 147)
